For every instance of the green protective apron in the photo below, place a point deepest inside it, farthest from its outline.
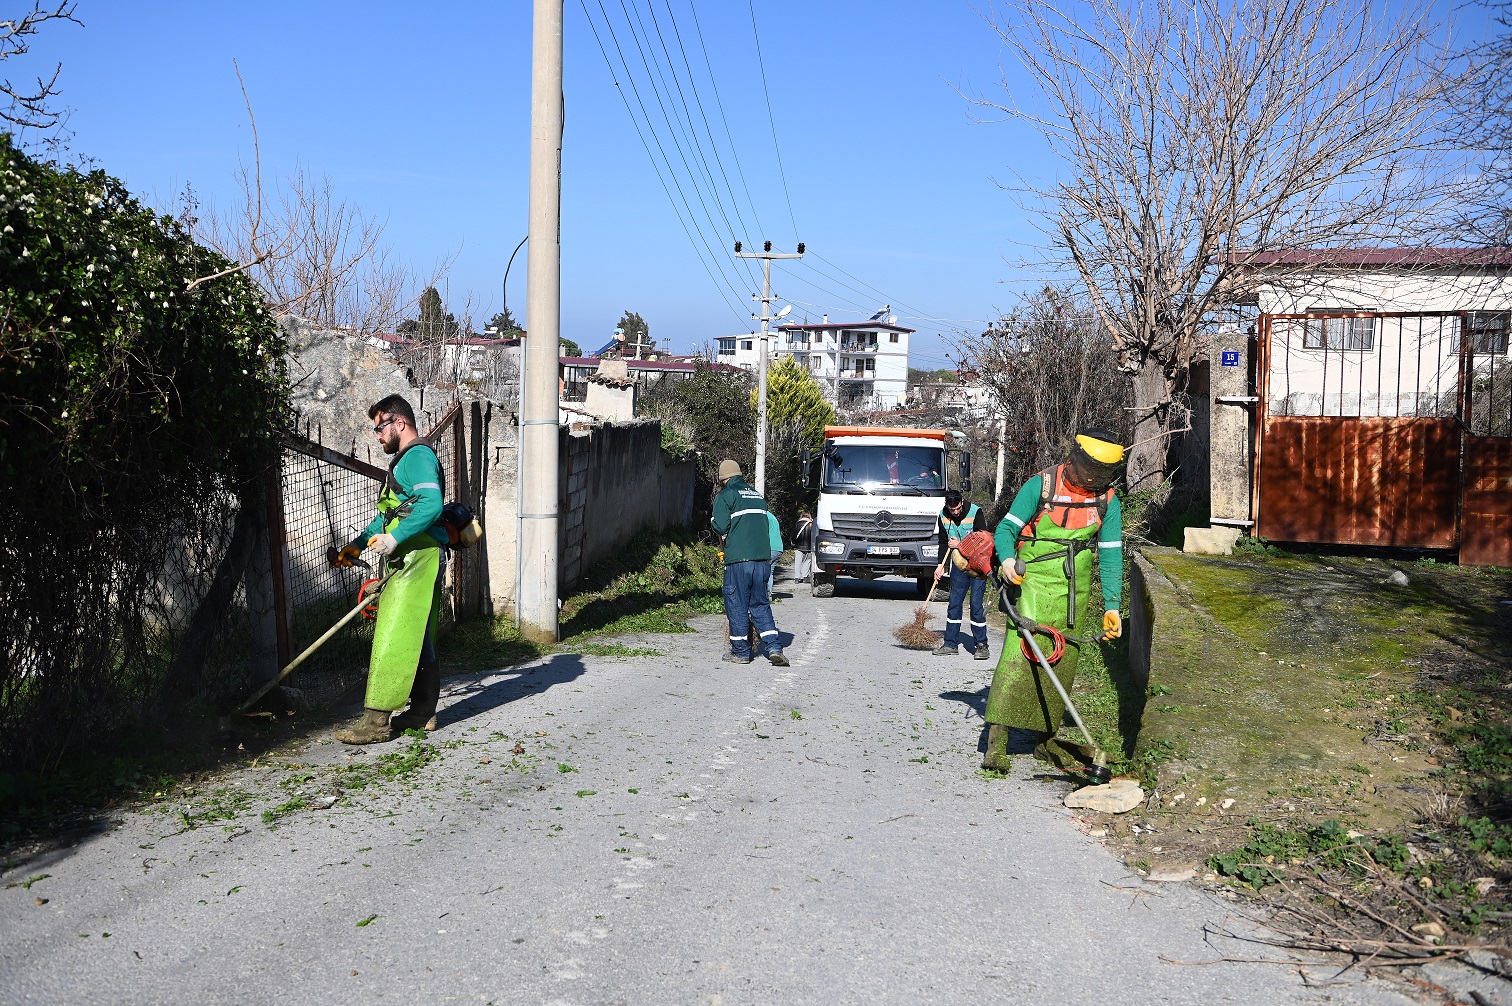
(409, 604)
(1057, 585)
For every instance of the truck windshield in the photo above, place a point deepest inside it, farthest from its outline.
(886, 469)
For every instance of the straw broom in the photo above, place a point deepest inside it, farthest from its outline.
(916, 635)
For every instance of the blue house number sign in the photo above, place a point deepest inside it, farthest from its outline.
(1231, 357)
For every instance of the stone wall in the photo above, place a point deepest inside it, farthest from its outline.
(614, 481)
(1231, 427)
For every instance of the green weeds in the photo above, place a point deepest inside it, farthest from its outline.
(1262, 860)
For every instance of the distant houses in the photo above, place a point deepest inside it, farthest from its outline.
(861, 365)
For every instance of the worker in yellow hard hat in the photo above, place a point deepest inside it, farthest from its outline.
(1059, 519)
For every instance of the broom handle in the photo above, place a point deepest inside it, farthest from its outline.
(1040, 656)
(289, 669)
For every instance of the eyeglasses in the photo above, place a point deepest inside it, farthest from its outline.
(386, 423)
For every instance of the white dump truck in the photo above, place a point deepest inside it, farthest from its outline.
(880, 491)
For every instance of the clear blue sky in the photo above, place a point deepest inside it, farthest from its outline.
(420, 113)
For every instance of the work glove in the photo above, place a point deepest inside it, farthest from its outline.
(348, 555)
(383, 544)
(1112, 624)
(1013, 571)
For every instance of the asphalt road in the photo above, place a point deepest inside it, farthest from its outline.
(676, 830)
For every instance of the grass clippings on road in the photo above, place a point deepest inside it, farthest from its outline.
(654, 585)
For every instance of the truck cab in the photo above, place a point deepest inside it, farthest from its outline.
(880, 493)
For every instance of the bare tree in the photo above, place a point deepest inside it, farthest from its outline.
(29, 105)
(1049, 368)
(1200, 135)
(1484, 129)
(314, 255)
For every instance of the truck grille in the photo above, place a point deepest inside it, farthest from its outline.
(899, 527)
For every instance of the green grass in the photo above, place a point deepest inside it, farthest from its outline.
(653, 585)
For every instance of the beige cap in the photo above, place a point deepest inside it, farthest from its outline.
(728, 470)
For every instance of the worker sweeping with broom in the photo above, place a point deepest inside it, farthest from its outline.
(1058, 521)
(958, 519)
(407, 533)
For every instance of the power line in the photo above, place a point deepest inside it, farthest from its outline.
(703, 113)
(885, 297)
(647, 146)
(772, 119)
(666, 117)
(719, 103)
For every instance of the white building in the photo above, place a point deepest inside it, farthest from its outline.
(861, 365)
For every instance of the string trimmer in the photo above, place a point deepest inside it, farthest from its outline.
(1098, 771)
(368, 598)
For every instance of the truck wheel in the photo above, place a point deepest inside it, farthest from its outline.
(823, 586)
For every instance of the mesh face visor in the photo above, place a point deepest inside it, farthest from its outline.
(1096, 464)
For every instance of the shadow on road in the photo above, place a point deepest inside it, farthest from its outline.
(977, 700)
(476, 696)
(889, 588)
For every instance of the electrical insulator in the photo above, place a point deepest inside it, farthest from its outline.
(767, 246)
(737, 247)
(800, 247)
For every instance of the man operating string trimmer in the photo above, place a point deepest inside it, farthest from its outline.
(1058, 520)
(407, 531)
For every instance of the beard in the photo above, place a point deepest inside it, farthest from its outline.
(390, 443)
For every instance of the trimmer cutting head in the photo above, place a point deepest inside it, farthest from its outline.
(1098, 775)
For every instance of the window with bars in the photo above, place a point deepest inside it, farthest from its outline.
(1488, 333)
(1340, 333)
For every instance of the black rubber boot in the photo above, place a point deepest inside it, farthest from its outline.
(425, 693)
(996, 759)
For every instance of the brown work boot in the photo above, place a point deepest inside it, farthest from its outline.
(372, 727)
(424, 696)
(996, 759)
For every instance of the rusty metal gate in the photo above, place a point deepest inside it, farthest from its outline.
(326, 499)
(1386, 429)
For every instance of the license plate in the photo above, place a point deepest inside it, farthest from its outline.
(881, 550)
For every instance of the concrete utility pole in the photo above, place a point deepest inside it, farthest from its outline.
(539, 431)
(766, 256)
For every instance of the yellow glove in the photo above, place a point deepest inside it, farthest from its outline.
(1112, 624)
(1013, 571)
(347, 556)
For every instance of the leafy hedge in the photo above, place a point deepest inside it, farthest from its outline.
(112, 376)
(137, 413)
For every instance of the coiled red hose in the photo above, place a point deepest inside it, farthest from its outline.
(1056, 652)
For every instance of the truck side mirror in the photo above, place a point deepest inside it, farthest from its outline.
(805, 467)
(965, 470)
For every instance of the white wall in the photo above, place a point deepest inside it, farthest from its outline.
(1412, 366)
(1390, 290)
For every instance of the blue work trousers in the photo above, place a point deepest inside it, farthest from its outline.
(746, 600)
(960, 585)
